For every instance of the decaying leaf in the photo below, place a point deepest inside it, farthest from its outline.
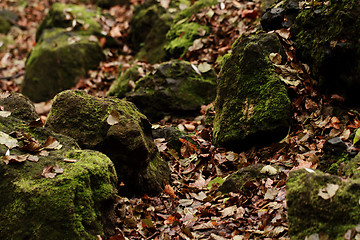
(275, 58)
(271, 193)
(8, 141)
(329, 191)
(52, 143)
(113, 118)
(5, 113)
(52, 171)
(269, 170)
(13, 158)
(68, 160)
(204, 67)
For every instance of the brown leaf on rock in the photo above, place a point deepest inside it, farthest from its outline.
(114, 117)
(47, 172)
(13, 158)
(51, 143)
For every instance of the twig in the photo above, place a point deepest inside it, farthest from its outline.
(13, 76)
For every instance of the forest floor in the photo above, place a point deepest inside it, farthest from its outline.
(190, 207)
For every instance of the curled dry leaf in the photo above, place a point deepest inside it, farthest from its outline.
(275, 58)
(5, 113)
(68, 160)
(269, 170)
(113, 118)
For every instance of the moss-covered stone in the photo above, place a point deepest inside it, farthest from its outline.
(73, 205)
(148, 28)
(309, 213)
(19, 106)
(121, 85)
(326, 38)
(4, 25)
(252, 106)
(65, 15)
(181, 36)
(236, 181)
(128, 143)
(57, 63)
(175, 88)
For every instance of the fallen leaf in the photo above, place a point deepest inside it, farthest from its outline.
(52, 143)
(229, 211)
(269, 170)
(57, 169)
(275, 58)
(5, 113)
(271, 193)
(47, 172)
(32, 158)
(284, 33)
(68, 160)
(204, 67)
(329, 191)
(357, 136)
(13, 158)
(8, 141)
(169, 191)
(114, 117)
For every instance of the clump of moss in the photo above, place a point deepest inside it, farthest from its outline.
(252, 106)
(121, 85)
(4, 25)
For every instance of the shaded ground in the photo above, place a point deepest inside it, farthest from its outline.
(190, 207)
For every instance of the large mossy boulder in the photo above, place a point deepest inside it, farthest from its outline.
(327, 38)
(126, 140)
(73, 202)
(176, 87)
(322, 204)
(148, 28)
(58, 62)
(75, 17)
(252, 106)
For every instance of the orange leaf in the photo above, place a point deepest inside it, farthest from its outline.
(169, 191)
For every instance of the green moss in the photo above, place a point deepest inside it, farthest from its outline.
(176, 88)
(128, 143)
(70, 206)
(62, 16)
(4, 25)
(58, 62)
(252, 106)
(194, 9)
(181, 36)
(121, 85)
(308, 213)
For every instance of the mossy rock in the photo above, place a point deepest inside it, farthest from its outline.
(20, 107)
(58, 62)
(148, 28)
(236, 181)
(309, 213)
(121, 85)
(73, 205)
(181, 36)
(174, 88)
(172, 135)
(128, 143)
(252, 106)
(326, 38)
(351, 169)
(65, 15)
(4, 25)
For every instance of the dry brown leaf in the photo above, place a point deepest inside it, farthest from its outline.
(114, 117)
(169, 191)
(52, 143)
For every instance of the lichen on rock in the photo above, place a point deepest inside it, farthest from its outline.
(252, 106)
(175, 87)
(127, 142)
